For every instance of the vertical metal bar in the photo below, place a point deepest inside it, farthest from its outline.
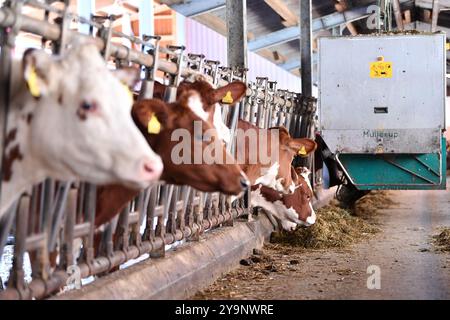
(148, 83)
(5, 226)
(89, 212)
(236, 13)
(435, 15)
(146, 18)
(67, 256)
(17, 278)
(7, 38)
(136, 227)
(58, 211)
(86, 9)
(306, 47)
(149, 233)
(306, 52)
(398, 14)
(307, 71)
(122, 231)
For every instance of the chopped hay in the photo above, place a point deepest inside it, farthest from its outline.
(337, 227)
(369, 205)
(442, 240)
(334, 228)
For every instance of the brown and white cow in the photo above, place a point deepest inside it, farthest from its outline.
(70, 119)
(221, 176)
(275, 173)
(276, 177)
(292, 210)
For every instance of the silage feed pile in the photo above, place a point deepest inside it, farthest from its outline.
(336, 227)
(369, 205)
(442, 240)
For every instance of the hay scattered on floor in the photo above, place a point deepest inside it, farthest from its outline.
(442, 240)
(369, 205)
(337, 227)
(334, 228)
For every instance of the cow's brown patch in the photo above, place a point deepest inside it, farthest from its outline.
(10, 137)
(8, 162)
(269, 194)
(60, 99)
(29, 117)
(82, 115)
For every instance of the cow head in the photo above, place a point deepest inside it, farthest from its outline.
(288, 149)
(81, 126)
(291, 210)
(212, 99)
(277, 173)
(161, 123)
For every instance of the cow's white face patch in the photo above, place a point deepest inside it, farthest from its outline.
(279, 187)
(288, 226)
(268, 178)
(287, 217)
(312, 218)
(223, 132)
(196, 105)
(305, 174)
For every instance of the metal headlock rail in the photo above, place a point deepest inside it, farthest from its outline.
(46, 221)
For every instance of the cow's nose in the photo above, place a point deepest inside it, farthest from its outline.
(311, 219)
(152, 169)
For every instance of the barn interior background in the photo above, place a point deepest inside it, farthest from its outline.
(274, 71)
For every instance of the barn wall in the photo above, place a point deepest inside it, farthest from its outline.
(201, 39)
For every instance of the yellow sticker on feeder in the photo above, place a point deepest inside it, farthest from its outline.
(380, 69)
(228, 98)
(33, 84)
(302, 151)
(154, 126)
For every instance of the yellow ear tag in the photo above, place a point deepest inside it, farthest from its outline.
(228, 98)
(128, 91)
(302, 151)
(33, 84)
(154, 126)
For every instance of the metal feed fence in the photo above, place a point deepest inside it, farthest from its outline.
(47, 220)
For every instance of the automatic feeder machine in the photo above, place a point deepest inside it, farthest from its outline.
(382, 109)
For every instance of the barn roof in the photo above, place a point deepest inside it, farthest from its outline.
(272, 24)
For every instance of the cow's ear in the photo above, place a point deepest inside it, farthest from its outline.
(302, 147)
(230, 94)
(38, 71)
(128, 76)
(152, 116)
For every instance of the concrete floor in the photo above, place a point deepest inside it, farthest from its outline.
(410, 267)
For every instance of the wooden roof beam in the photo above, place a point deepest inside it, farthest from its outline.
(280, 7)
(342, 6)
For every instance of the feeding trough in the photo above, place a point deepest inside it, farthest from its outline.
(382, 109)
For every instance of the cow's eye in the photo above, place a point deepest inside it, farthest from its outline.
(86, 106)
